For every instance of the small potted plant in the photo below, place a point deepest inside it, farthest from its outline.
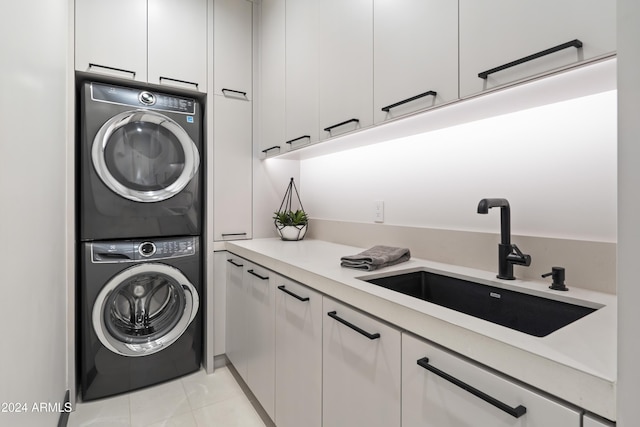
(291, 224)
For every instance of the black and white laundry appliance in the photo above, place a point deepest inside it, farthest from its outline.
(139, 315)
(140, 163)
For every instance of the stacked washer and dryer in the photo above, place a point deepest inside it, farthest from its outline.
(139, 210)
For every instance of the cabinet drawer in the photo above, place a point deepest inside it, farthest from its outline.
(431, 400)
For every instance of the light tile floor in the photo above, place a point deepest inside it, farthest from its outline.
(195, 400)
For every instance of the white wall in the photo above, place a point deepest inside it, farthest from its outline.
(556, 164)
(33, 172)
(628, 212)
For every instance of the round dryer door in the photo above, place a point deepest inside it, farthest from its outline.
(144, 156)
(144, 309)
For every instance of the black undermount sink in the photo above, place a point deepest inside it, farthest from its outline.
(526, 313)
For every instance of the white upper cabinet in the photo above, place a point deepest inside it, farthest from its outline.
(441, 389)
(232, 51)
(272, 77)
(346, 66)
(163, 42)
(178, 43)
(111, 38)
(301, 73)
(498, 32)
(415, 55)
(232, 168)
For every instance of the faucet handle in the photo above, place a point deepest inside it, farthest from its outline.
(517, 257)
(557, 276)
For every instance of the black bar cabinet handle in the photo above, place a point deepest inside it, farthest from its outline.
(257, 275)
(234, 263)
(340, 124)
(232, 234)
(271, 148)
(298, 139)
(287, 291)
(516, 412)
(179, 81)
(413, 98)
(573, 43)
(239, 92)
(122, 70)
(333, 315)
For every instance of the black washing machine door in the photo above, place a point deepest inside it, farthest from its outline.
(144, 156)
(144, 309)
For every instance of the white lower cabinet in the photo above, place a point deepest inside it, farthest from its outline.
(236, 318)
(250, 335)
(260, 312)
(590, 421)
(298, 355)
(441, 389)
(361, 369)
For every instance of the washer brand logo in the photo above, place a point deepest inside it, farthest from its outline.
(189, 119)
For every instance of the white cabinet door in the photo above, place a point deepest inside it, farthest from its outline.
(361, 373)
(232, 168)
(261, 335)
(111, 38)
(301, 73)
(232, 47)
(415, 53)
(498, 32)
(298, 355)
(236, 318)
(272, 76)
(177, 47)
(431, 400)
(590, 421)
(346, 66)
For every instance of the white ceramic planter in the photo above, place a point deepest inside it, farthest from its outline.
(292, 232)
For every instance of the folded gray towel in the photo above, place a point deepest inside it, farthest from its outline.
(376, 257)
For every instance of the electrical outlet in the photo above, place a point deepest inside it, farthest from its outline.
(378, 211)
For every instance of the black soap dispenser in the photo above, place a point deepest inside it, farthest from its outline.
(557, 275)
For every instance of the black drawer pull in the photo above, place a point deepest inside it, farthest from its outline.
(178, 81)
(238, 92)
(122, 70)
(298, 139)
(270, 148)
(232, 234)
(257, 275)
(573, 43)
(340, 124)
(516, 412)
(333, 315)
(287, 291)
(413, 98)
(234, 263)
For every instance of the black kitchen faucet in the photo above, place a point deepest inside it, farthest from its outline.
(508, 253)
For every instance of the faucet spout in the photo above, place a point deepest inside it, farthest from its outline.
(505, 216)
(508, 254)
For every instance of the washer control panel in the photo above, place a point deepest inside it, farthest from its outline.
(128, 250)
(142, 98)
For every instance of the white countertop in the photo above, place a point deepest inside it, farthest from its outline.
(576, 363)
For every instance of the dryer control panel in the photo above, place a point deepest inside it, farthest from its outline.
(129, 250)
(142, 98)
